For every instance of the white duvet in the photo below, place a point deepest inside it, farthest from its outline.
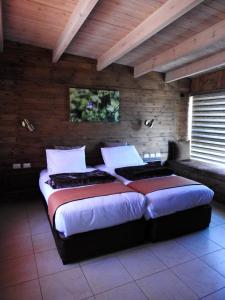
(169, 201)
(94, 213)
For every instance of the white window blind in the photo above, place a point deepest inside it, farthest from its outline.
(208, 128)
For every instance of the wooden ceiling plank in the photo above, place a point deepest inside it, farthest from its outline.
(195, 44)
(59, 4)
(1, 28)
(162, 17)
(203, 65)
(76, 20)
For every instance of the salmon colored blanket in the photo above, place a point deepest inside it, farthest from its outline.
(146, 186)
(64, 196)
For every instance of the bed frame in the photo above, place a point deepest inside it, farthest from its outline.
(94, 243)
(179, 223)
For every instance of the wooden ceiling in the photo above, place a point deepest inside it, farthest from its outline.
(181, 38)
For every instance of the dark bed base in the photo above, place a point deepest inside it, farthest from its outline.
(179, 223)
(94, 243)
(98, 242)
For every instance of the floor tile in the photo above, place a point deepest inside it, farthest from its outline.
(198, 244)
(202, 279)
(49, 262)
(216, 234)
(97, 258)
(129, 291)
(165, 285)
(23, 291)
(141, 262)
(66, 285)
(212, 224)
(105, 274)
(219, 295)
(16, 246)
(12, 228)
(217, 219)
(37, 215)
(43, 242)
(35, 206)
(38, 226)
(171, 253)
(13, 271)
(216, 260)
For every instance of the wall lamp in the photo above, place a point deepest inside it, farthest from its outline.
(28, 125)
(149, 123)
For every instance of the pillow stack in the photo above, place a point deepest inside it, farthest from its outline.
(121, 156)
(66, 161)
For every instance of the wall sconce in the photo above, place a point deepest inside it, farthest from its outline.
(28, 125)
(149, 123)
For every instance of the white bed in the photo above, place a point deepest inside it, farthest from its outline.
(169, 201)
(94, 213)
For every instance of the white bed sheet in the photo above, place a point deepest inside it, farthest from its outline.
(94, 213)
(169, 201)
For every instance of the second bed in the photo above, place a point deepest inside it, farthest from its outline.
(170, 210)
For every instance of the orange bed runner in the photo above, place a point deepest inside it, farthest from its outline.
(64, 196)
(146, 186)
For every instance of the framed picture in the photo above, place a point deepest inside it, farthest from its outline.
(94, 105)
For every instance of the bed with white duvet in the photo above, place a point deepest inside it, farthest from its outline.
(159, 203)
(92, 226)
(168, 201)
(94, 213)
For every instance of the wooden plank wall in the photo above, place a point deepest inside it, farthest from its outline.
(34, 88)
(208, 82)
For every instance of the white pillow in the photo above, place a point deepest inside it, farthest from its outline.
(121, 156)
(66, 161)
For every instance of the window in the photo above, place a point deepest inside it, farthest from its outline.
(208, 127)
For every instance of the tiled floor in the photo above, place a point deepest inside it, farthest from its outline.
(186, 268)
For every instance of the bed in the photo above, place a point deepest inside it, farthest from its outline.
(97, 225)
(171, 211)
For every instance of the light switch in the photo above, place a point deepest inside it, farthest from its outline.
(16, 166)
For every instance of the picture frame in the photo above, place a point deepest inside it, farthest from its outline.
(94, 105)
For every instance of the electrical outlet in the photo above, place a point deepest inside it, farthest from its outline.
(16, 166)
(26, 165)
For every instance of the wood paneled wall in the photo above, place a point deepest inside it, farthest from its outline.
(34, 88)
(209, 82)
